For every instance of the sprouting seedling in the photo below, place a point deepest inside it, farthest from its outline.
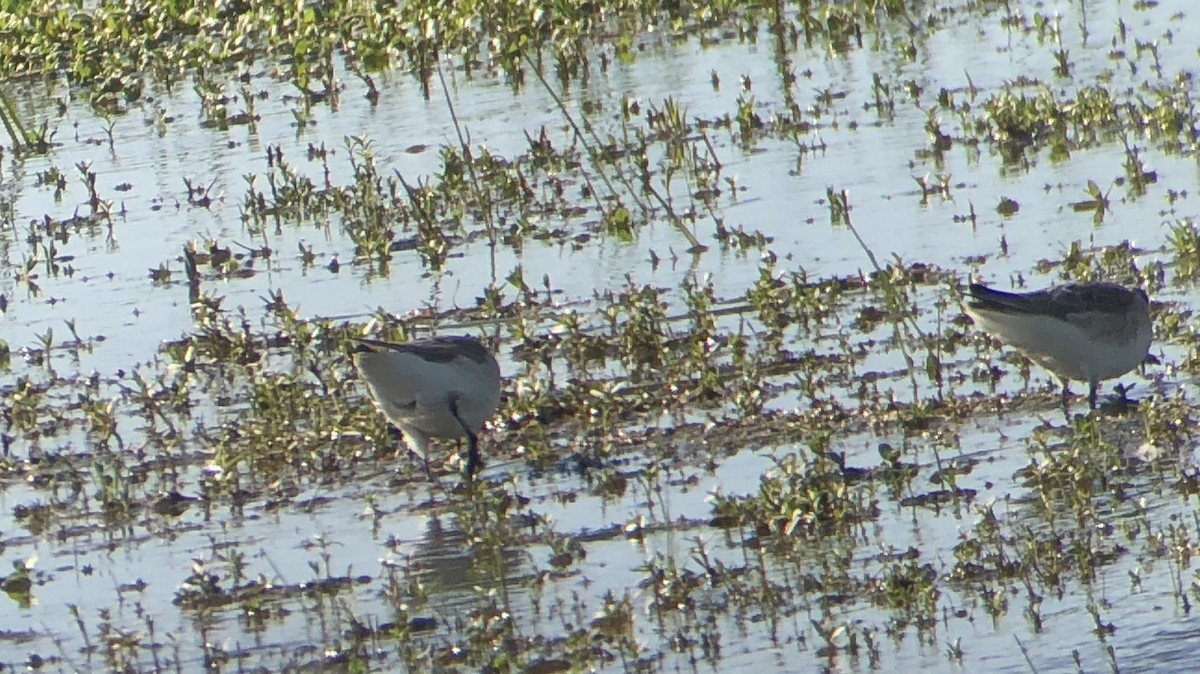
(249, 117)
(160, 274)
(302, 117)
(27, 275)
(193, 273)
(372, 94)
(108, 131)
(748, 120)
(839, 206)
(885, 101)
(74, 611)
(76, 341)
(942, 186)
(199, 195)
(24, 140)
(47, 341)
(954, 651)
(1184, 243)
(19, 583)
(89, 180)
(307, 256)
(940, 140)
(1135, 169)
(829, 636)
(1152, 47)
(1062, 66)
(1098, 203)
(101, 417)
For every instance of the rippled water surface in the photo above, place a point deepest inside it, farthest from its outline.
(363, 564)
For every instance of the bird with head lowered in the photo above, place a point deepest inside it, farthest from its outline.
(441, 387)
(1081, 331)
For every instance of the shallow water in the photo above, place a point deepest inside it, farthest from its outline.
(364, 525)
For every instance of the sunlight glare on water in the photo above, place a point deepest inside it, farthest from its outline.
(403, 547)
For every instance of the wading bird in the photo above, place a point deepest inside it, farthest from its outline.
(442, 387)
(1082, 331)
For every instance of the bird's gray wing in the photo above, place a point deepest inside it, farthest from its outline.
(1103, 310)
(1093, 298)
(1072, 302)
(435, 349)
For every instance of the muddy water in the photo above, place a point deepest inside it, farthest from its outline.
(875, 157)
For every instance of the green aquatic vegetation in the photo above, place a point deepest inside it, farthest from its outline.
(802, 497)
(785, 299)
(628, 398)
(1019, 121)
(1136, 173)
(206, 590)
(36, 141)
(691, 357)
(1183, 241)
(377, 209)
(291, 193)
(636, 320)
(703, 337)
(941, 187)
(910, 590)
(114, 49)
(748, 121)
(895, 283)
(408, 35)
(1167, 114)
(618, 218)
(295, 412)
(1077, 472)
(986, 555)
(18, 585)
(1168, 423)
(1098, 203)
(1113, 263)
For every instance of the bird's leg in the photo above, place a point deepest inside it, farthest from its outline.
(1066, 395)
(418, 444)
(1092, 394)
(473, 459)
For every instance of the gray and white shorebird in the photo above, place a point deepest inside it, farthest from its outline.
(442, 387)
(1082, 331)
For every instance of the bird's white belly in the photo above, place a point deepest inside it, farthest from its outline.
(418, 395)
(1066, 349)
(431, 420)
